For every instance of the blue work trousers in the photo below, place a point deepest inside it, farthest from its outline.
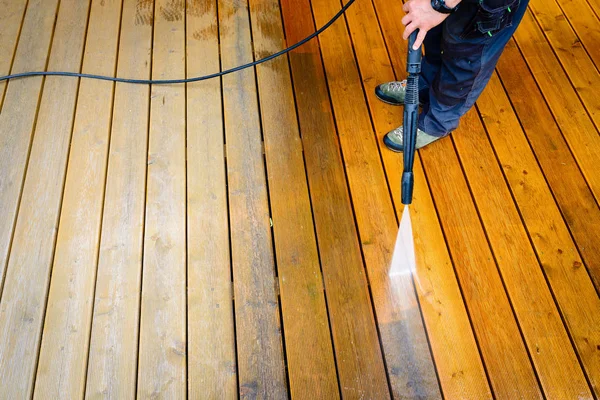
(460, 57)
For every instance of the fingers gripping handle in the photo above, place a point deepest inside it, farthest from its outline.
(413, 61)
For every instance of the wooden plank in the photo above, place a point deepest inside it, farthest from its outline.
(572, 118)
(584, 23)
(569, 51)
(549, 345)
(163, 346)
(563, 265)
(595, 4)
(504, 353)
(258, 331)
(65, 338)
(573, 195)
(396, 305)
(10, 28)
(19, 111)
(25, 291)
(113, 354)
(309, 351)
(211, 336)
(455, 351)
(360, 363)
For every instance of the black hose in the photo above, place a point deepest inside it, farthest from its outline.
(188, 80)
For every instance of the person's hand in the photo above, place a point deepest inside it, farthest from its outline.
(420, 15)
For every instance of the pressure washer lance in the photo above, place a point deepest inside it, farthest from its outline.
(411, 117)
(403, 262)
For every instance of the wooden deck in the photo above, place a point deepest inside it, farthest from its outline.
(232, 238)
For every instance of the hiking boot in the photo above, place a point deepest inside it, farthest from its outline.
(391, 92)
(393, 140)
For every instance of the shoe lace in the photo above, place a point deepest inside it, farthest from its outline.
(397, 85)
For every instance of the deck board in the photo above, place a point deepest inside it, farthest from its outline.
(23, 300)
(113, 348)
(232, 237)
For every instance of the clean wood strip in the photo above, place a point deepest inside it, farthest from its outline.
(565, 271)
(112, 365)
(309, 351)
(455, 351)
(18, 115)
(585, 24)
(398, 314)
(211, 336)
(573, 195)
(569, 50)
(573, 120)
(64, 349)
(360, 362)
(259, 344)
(504, 353)
(25, 290)
(553, 356)
(163, 347)
(10, 27)
(595, 4)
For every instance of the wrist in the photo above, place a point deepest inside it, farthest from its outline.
(452, 3)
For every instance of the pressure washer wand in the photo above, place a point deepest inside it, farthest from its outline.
(411, 117)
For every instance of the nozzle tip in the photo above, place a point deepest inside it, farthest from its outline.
(407, 187)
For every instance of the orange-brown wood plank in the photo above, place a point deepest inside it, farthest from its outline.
(572, 118)
(569, 51)
(309, 351)
(18, 115)
(400, 325)
(163, 346)
(585, 23)
(564, 267)
(211, 334)
(455, 351)
(549, 345)
(65, 338)
(359, 360)
(25, 290)
(112, 365)
(573, 195)
(258, 329)
(11, 20)
(504, 353)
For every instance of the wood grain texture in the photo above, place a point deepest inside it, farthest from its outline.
(408, 358)
(211, 337)
(65, 338)
(549, 346)
(25, 291)
(571, 54)
(562, 263)
(455, 351)
(359, 360)
(113, 354)
(573, 195)
(573, 120)
(585, 24)
(10, 28)
(504, 353)
(258, 329)
(18, 115)
(309, 351)
(163, 345)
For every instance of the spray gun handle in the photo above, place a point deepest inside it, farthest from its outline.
(413, 60)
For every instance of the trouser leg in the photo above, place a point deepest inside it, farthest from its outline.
(467, 58)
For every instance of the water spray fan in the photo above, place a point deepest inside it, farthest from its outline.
(411, 117)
